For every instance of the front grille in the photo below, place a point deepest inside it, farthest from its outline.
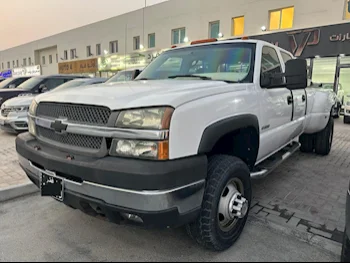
(83, 114)
(70, 139)
(5, 112)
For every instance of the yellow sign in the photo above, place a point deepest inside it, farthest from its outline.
(80, 66)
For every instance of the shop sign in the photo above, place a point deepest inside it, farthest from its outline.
(6, 74)
(122, 62)
(77, 67)
(31, 71)
(322, 41)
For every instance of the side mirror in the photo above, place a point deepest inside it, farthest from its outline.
(266, 80)
(42, 88)
(12, 86)
(296, 74)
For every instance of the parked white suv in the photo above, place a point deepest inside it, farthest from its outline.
(181, 143)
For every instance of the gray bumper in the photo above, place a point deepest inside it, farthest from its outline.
(184, 199)
(14, 123)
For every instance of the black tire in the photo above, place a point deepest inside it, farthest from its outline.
(345, 254)
(206, 230)
(307, 142)
(324, 139)
(346, 119)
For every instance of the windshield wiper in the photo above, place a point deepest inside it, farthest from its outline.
(190, 76)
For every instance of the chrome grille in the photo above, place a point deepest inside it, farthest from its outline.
(83, 114)
(5, 112)
(70, 139)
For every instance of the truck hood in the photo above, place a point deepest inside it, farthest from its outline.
(20, 101)
(141, 93)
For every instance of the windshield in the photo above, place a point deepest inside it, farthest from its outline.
(121, 76)
(30, 84)
(232, 62)
(6, 82)
(70, 84)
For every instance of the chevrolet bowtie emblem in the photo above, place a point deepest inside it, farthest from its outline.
(58, 126)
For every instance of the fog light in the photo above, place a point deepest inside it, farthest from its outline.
(133, 218)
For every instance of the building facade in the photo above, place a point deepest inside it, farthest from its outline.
(177, 22)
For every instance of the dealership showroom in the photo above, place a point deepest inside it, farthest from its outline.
(299, 212)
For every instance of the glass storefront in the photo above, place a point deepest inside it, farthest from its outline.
(324, 70)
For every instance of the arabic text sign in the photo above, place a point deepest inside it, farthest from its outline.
(27, 71)
(80, 66)
(6, 74)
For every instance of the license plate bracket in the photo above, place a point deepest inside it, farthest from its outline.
(52, 186)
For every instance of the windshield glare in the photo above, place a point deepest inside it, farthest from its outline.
(30, 84)
(4, 83)
(227, 62)
(121, 76)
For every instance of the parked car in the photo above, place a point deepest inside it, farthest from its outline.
(347, 109)
(2, 79)
(12, 83)
(125, 75)
(36, 85)
(175, 146)
(339, 96)
(14, 112)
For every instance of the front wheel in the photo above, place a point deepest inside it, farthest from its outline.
(345, 254)
(346, 119)
(225, 206)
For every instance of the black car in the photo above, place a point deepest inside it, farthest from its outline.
(345, 255)
(36, 85)
(12, 83)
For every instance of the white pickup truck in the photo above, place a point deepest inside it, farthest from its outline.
(180, 144)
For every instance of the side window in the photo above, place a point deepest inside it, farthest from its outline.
(271, 64)
(53, 83)
(286, 57)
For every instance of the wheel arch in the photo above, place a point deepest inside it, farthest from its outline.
(220, 133)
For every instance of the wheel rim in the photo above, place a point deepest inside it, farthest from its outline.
(232, 205)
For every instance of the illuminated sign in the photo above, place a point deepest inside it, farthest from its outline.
(6, 74)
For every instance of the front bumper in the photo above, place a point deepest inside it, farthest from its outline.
(160, 193)
(347, 112)
(14, 123)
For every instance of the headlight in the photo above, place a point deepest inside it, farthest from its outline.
(150, 118)
(32, 108)
(31, 126)
(140, 149)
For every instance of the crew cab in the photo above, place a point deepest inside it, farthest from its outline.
(181, 143)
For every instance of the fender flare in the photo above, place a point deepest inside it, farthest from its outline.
(213, 133)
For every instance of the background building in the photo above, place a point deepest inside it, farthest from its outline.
(176, 22)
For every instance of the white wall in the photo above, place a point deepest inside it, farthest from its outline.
(160, 19)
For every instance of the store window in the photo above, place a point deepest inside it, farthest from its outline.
(282, 18)
(136, 43)
(73, 53)
(24, 62)
(65, 55)
(152, 40)
(88, 51)
(214, 29)
(238, 26)
(50, 59)
(98, 49)
(347, 9)
(324, 70)
(43, 60)
(113, 47)
(178, 36)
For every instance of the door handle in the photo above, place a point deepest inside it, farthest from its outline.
(290, 100)
(304, 98)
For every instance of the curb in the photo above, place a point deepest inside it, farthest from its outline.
(311, 239)
(17, 191)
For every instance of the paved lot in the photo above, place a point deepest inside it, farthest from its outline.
(307, 192)
(10, 172)
(40, 229)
